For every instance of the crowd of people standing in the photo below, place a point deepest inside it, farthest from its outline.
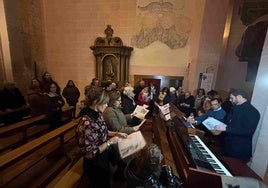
(107, 116)
(42, 97)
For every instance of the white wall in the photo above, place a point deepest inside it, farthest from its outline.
(260, 101)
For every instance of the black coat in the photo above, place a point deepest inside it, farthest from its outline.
(11, 99)
(71, 94)
(128, 105)
(189, 109)
(241, 123)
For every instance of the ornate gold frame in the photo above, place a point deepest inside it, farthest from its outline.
(112, 58)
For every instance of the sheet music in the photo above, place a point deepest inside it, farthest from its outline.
(140, 111)
(133, 143)
(165, 111)
(211, 122)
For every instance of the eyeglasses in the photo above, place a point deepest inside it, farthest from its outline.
(214, 104)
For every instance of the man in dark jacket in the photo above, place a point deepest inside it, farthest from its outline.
(46, 82)
(10, 99)
(241, 123)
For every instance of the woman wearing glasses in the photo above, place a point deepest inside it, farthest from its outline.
(115, 119)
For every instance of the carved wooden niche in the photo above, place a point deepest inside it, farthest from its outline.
(112, 58)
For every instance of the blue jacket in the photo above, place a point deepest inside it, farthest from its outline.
(218, 114)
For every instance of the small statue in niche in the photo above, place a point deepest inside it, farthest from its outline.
(110, 70)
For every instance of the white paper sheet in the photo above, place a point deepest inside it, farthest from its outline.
(133, 143)
(140, 111)
(211, 122)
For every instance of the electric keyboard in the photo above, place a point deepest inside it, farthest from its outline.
(195, 164)
(204, 158)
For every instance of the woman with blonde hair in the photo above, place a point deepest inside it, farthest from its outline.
(94, 139)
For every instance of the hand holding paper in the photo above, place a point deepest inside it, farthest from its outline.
(220, 128)
(211, 123)
(140, 111)
(137, 127)
(133, 143)
(121, 135)
(190, 120)
(215, 132)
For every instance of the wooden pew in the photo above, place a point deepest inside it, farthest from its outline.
(72, 177)
(15, 115)
(12, 136)
(36, 163)
(19, 133)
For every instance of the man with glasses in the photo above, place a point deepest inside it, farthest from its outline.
(216, 112)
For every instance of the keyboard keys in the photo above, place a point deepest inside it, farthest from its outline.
(204, 158)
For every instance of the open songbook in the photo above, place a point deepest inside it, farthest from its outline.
(165, 111)
(133, 143)
(141, 111)
(211, 122)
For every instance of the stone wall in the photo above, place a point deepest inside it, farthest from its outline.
(26, 39)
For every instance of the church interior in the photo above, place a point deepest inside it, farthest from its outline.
(214, 44)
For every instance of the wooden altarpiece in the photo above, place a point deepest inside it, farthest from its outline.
(112, 57)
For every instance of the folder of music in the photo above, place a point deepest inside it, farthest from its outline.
(133, 143)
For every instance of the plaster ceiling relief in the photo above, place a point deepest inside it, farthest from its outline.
(161, 21)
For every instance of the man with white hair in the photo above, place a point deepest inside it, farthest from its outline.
(127, 100)
(128, 103)
(172, 95)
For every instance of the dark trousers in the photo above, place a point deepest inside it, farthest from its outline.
(54, 119)
(98, 174)
(74, 110)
